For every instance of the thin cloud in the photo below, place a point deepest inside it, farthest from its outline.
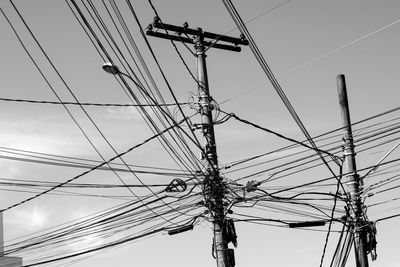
(28, 219)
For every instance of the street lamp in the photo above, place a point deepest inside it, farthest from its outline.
(114, 70)
(111, 68)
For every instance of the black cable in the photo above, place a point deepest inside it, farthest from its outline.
(138, 54)
(175, 47)
(86, 32)
(112, 244)
(338, 246)
(108, 226)
(120, 75)
(280, 135)
(332, 215)
(63, 81)
(137, 83)
(388, 218)
(103, 49)
(133, 44)
(321, 135)
(87, 104)
(51, 159)
(160, 69)
(86, 172)
(242, 27)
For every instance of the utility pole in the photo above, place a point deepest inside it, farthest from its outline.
(214, 187)
(353, 180)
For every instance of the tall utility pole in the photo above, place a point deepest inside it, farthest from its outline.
(214, 182)
(354, 182)
(214, 187)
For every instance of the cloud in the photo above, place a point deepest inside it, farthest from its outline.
(126, 113)
(45, 134)
(122, 113)
(49, 133)
(28, 219)
(9, 168)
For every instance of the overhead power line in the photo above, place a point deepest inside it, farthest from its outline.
(88, 171)
(267, 70)
(87, 104)
(278, 134)
(61, 78)
(311, 61)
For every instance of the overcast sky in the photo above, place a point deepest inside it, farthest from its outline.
(306, 43)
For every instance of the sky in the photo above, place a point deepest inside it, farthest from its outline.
(306, 43)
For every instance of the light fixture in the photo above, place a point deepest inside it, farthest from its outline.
(110, 68)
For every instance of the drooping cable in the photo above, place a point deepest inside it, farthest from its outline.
(65, 84)
(267, 70)
(104, 51)
(122, 22)
(197, 142)
(279, 135)
(86, 103)
(86, 172)
(330, 223)
(120, 75)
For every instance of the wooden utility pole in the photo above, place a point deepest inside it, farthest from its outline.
(214, 187)
(214, 181)
(353, 180)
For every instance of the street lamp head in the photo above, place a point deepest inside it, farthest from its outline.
(110, 68)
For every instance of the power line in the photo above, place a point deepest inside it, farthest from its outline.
(144, 113)
(143, 91)
(279, 135)
(267, 70)
(61, 78)
(388, 217)
(86, 172)
(46, 158)
(86, 103)
(317, 58)
(332, 215)
(137, 84)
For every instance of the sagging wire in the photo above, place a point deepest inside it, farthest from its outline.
(88, 104)
(335, 158)
(88, 171)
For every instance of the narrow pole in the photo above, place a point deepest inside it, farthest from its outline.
(353, 179)
(1, 235)
(213, 182)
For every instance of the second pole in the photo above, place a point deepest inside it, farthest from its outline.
(354, 182)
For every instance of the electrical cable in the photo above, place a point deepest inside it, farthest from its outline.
(86, 104)
(122, 22)
(103, 49)
(318, 58)
(86, 172)
(137, 82)
(330, 223)
(120, 74)
(197, 142)
(66, 86)
(315, 137)
(280, 135)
